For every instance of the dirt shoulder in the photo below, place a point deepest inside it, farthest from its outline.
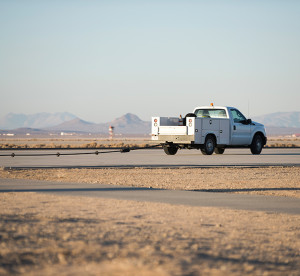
(64, 235)
(274, 181)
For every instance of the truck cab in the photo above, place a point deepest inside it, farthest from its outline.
(210, 129)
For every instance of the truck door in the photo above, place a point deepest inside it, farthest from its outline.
(240, 133)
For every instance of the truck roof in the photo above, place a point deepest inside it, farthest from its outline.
(213, 107)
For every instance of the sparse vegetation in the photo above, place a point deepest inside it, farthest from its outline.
(281, 145)
(92, 145)
(97, 143)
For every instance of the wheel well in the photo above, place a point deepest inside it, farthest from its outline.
(213, 135)
(261, 135)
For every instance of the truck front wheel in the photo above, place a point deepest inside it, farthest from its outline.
(257, 144)
(209, 145)
(170, 150)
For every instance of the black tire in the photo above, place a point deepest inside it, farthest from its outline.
(170, 150)
(209, 145)
(257, 144)
(219, 150)
(203, 151)
(190, 115)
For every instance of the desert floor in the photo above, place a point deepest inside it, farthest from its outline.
(63, 235)
(276, 181)
(94, 142)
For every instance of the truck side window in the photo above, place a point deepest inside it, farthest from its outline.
(202, 113)
(237, 116)
(221, 113)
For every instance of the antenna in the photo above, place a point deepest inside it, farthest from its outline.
(248, 109)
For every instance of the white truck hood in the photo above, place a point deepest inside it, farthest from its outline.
(257, 124)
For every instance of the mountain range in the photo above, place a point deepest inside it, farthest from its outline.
(37, 120)
(127, 124)
(67, 122)
(280, 119)
(280, 123)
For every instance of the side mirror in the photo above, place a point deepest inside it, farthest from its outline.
(247, 122)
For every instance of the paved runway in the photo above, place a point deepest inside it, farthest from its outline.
(191, 198)
(154, 158)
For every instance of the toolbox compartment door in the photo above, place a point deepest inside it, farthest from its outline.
(175, 130)
(210, 124)
(224, 132)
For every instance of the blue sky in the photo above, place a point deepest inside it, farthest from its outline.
(102, 59)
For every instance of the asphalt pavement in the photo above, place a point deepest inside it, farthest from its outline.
(190, 198)
(154, 158)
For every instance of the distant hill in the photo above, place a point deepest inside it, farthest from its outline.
(76, 125)
(130, 124)
(280, 119)
(25, 130)
(281, 131)
(67, 122)
(38, 120)
(127, 124)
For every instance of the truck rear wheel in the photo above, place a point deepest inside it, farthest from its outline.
(209, 145)
(219, 150)
(257, 144)
(170, 150)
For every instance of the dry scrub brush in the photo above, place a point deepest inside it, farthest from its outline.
(92, 145)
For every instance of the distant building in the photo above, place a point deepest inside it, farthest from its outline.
(66, 134)
(296, 135)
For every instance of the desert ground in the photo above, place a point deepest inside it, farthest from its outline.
(94, 142)
(49, 235)
(63, 235)
(73, 142)
(44, 234)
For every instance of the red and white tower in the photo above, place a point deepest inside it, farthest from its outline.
(111, 132)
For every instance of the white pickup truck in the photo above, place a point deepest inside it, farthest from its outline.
(210, 129)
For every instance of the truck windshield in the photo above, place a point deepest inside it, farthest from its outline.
(211, 113)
